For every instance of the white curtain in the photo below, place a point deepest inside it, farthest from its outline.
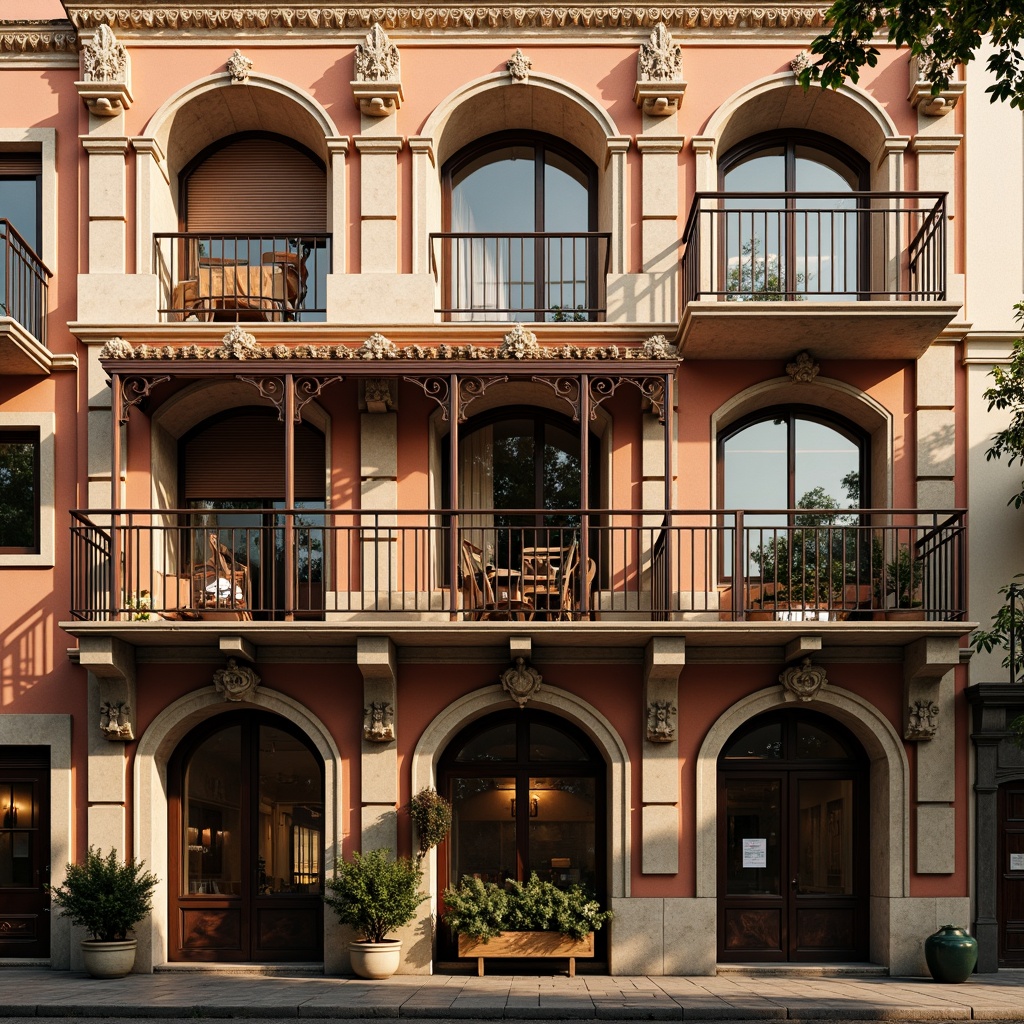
(476, 489)
(479, 282)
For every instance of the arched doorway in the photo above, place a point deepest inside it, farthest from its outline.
(793, 849)
(246, 821)
(528, 794)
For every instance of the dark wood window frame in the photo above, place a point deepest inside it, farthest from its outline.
(31, 437)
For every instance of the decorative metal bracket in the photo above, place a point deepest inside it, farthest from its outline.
(134, 390)
(567, 389)
(469, 389)
(436, 388)
(270, 388)
(651, 388)
(305, 390)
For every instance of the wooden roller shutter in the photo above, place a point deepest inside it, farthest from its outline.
(20, 165)
(257, 186)
(243, 457)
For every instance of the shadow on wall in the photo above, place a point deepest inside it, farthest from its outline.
(26, 653)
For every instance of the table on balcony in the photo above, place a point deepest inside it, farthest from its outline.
(255, 292)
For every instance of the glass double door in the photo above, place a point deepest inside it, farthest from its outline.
(247, 811)
(792, 875)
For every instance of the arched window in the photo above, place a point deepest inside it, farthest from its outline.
(795, 457)
(254, 222)
(805, 244)
(527, 791)
(519, 242)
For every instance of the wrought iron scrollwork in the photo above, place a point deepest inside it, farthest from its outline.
(472, 388)
(436, 388)
(308, 388)
(134, 390)
(270, 388)
(601, 389)
(567, 389)
(653, 389)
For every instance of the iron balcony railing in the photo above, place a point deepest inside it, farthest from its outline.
(525, 564)
(824, 246)
(532, 275)
(232, 277)
(24, 282)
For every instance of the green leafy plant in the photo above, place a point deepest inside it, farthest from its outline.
(374, 894)
(900, 584)
(432, 816)
(483, 909)
(564, 315)
(106, 896)
(1007, 395)
(998, 634)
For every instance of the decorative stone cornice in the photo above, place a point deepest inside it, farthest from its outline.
(299, 16)
(519, 344)
(34, 37)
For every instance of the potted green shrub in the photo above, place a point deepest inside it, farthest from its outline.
(522, 919)
(108, 898)
(375, 895)
(898, 588)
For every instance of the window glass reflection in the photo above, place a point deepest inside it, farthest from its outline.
(483, 836)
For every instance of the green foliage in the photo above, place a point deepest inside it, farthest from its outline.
(374, 894)
(902, 579)
(564, 315)
(432, 816)
(106, 896)
(18, 497)
(941, 35)
(482, 909)
(755, 277)
(1007, 395)
(998, 635)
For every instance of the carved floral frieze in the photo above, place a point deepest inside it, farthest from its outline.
(29, 38)
(157, 16)
(517, 344)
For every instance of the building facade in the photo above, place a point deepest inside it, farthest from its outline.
(558, 407)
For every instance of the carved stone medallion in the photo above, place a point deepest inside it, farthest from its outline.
(115, 720)
(803, 369)
(241, 344)
(800, 62)
(379, 722)
(803, 681)
(519, 66)
(661, 721)
(236, 682)
(519, 343)
(922, 720)
(521, 682)
(239, 67)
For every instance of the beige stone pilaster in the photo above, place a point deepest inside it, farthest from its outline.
(663, 662)
(108, 214)
(111, 673)
(617, 200)
(337, 202)
(936, 172)
(660, 220)
(426, 211)
(378, 202)
(928, 667)
(936, 427)
(377, 660)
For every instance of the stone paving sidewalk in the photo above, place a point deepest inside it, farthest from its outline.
(178, 994)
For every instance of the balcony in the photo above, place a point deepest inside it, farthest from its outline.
(855, 275)
(515, 566)
(231, 277)
(531, 276)
(23, 297)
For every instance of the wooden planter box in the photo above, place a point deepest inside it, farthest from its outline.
(526, 945)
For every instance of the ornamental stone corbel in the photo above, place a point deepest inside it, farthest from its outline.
(804, 681)
(922, 71)
(521, 681)
(377, 88)
(922, 720)
(377, 395)
(659, 74)
(106, 74)
(236, 682)
(115, 721)
(379, 722)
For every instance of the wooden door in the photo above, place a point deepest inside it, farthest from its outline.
(24, 851)
(247, 862)
(1010, 876)
(792, 846)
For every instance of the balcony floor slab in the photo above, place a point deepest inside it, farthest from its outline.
(829, 330)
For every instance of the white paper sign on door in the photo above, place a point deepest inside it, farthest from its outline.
(755, 853)
(1017, 861)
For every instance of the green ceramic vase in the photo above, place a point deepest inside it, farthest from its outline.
(951, 954)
